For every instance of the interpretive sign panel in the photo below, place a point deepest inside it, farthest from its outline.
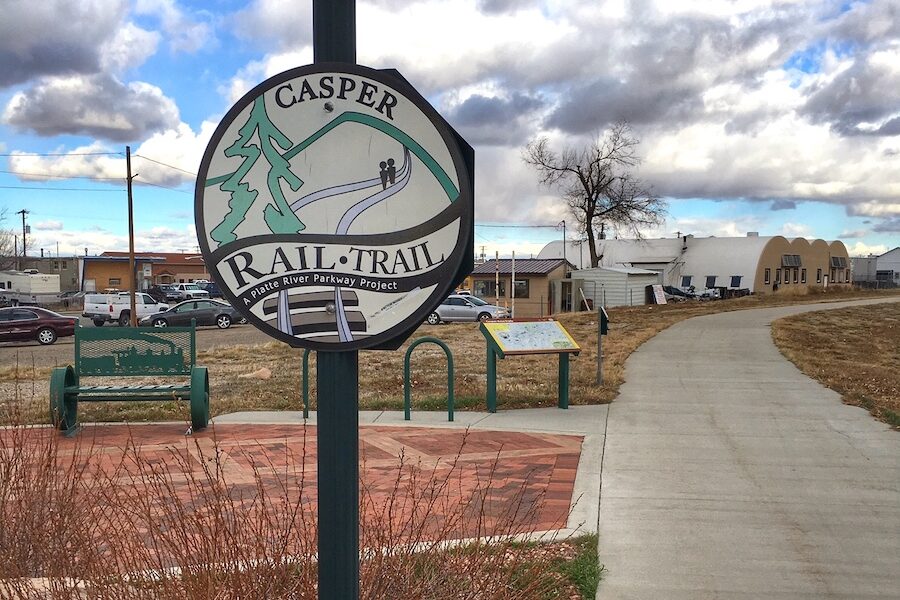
(531, 337)
(334, 207)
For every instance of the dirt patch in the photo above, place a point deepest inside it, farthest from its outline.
(854, 351)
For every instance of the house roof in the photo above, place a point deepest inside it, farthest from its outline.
(171, 258)
(524, 266)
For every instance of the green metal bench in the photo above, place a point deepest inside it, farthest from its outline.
(130, 352)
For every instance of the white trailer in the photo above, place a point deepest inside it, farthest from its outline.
(28, 287)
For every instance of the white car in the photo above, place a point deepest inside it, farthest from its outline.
(458, 307)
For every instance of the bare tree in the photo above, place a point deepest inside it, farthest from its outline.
(598, 184)
(7, 244)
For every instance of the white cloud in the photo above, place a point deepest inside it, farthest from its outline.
(180, 147)
(186, 34)
(49, 225)
(863, 249)
(98, 240)
(97, 106)
(129, 47)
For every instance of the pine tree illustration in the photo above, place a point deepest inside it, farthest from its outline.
(279, 216)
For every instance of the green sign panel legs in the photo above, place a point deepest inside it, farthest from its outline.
(564, 380)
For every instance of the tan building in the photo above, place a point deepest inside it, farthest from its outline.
(533, 295)
(110, 270)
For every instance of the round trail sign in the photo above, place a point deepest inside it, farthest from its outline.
(334, 207)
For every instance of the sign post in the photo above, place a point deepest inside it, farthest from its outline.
(602, 329)
(334, 208)
(337, 381)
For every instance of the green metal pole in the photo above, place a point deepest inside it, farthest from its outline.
(564, 380)
(450, 390)
(491, 379)
(407, 393)
(337, 375)
(306, 384)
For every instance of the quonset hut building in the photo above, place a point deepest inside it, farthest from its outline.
(760, 264)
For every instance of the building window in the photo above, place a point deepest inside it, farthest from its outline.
(65, 264)
(777, 275)
(55, 265)
(818, 275)
(790, 260)
(521, 288)
(796, 276)
(802, 275)
(114, 281)
(710, 281)
(768, 276)
(686, 280)
(486, 288)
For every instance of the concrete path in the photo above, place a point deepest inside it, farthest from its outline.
(727, 473)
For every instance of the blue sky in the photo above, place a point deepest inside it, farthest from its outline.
(781, 118)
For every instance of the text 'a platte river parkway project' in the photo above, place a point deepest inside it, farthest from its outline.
(329, 207)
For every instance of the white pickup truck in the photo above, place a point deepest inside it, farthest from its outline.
(103, 308)
(190, 291)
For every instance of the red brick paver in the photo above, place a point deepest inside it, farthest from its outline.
(526, 477)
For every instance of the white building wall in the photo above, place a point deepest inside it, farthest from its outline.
(615, 287)
(890, 261)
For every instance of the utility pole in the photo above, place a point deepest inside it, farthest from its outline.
(131, 269)
(23, 212)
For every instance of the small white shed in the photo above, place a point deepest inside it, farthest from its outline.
(616, 286)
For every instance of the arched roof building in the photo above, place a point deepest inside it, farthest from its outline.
(758, 263)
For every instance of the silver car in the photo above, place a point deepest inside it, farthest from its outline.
(465, 308)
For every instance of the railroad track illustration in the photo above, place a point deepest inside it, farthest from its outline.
(327, 315)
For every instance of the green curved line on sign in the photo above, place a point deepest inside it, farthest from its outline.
(383, 126)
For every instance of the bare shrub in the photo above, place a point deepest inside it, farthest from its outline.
(76, 524)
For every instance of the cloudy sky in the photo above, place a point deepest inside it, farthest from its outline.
(781, 117)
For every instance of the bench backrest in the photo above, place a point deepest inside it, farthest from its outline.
(134, 351)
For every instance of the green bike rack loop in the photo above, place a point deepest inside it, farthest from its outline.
(406, 387)
(306, 383)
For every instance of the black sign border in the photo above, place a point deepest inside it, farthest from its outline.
(398, 333)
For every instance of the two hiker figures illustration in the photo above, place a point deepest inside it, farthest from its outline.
(388, 172)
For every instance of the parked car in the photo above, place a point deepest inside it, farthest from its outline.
(34, 323)
(164, 293)
(465, 308)
(211, 288)
(190, 291)
(116, 308)
(205, 312)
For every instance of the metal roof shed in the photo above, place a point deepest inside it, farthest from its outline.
(616, 286)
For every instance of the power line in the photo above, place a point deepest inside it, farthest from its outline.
(51, 175)
(62, 154)
(159, 162)
(165, 187)
(55, 189)
(554, 226)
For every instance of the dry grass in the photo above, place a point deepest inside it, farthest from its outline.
(523, 381)
(854, 351)
(74, 525)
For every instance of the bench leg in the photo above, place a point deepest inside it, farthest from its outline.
(63, 406)
(199, 398)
